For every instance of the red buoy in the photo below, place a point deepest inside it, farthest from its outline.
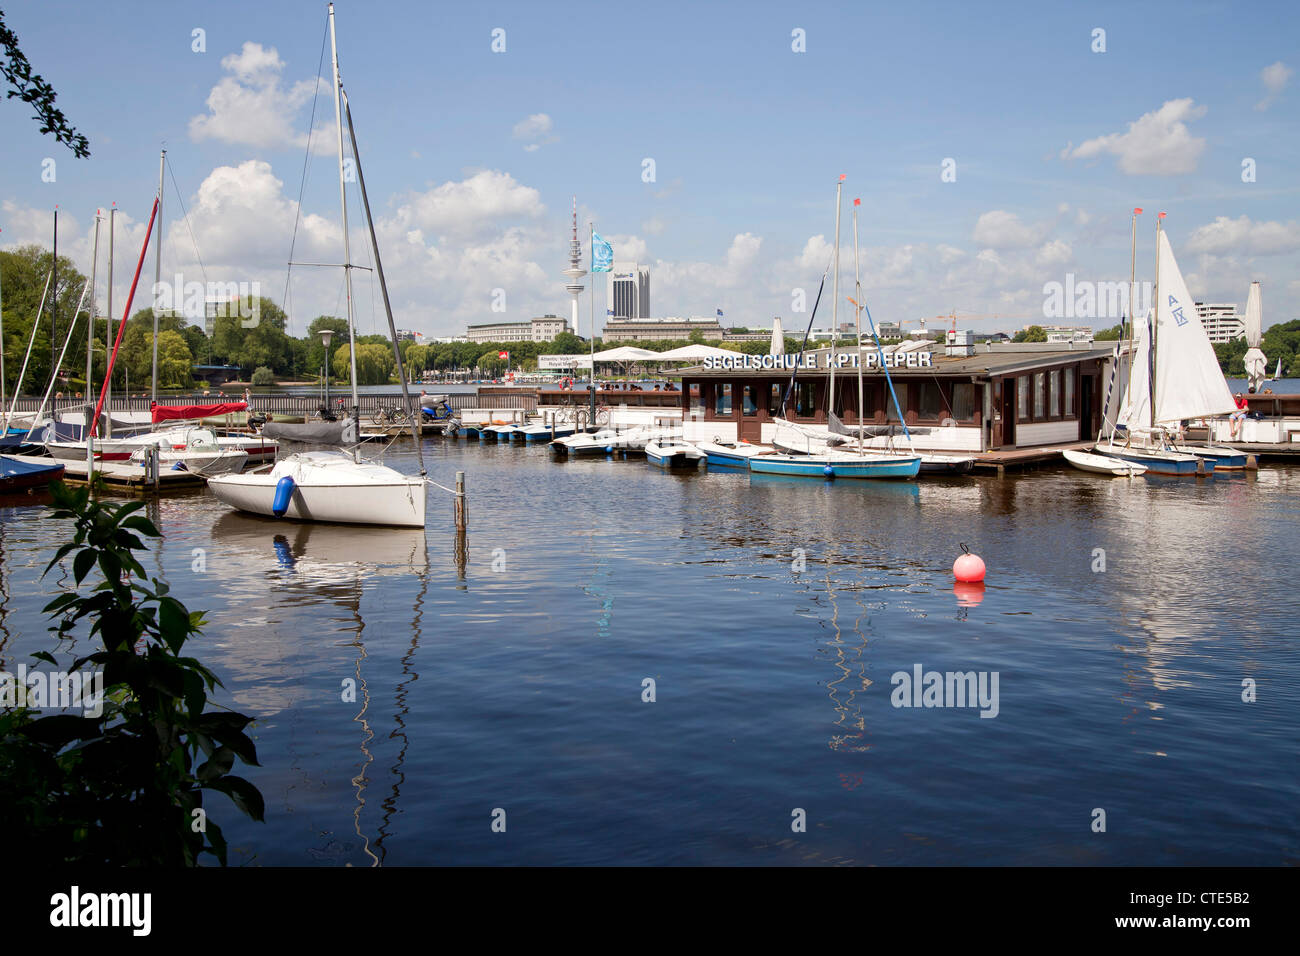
(968, 567)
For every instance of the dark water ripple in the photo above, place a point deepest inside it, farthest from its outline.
(519, 687)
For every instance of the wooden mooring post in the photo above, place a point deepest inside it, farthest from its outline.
(462, 509)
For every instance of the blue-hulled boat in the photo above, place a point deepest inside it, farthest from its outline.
(544, 433)
(16, 474)
(1224, 458)
(837, 466)
(732, 454)
(1159, 461)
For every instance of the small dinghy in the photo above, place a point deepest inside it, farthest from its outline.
(1104, 464)
(672, 453)
(732, 454)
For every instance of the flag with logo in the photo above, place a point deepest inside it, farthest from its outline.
(504, 355)
(602, 254)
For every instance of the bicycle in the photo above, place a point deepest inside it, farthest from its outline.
(390, 415)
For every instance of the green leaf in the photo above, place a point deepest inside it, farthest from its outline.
(85, 560)
(219, 765)
(245, 796)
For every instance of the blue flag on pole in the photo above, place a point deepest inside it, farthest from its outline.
(719, 313)
(602, 254)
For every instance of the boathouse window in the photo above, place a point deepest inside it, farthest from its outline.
(722, 398)
(749, 401)
(1040, 395)
(1054, 392)
(697, 402)
(1022, 398)
(900, 389)
(774, 401)
(805, 402)
(931, 405)
(963, 402)
(1069, 391)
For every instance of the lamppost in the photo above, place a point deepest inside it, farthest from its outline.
(325, 336)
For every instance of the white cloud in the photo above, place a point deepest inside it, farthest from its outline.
(1054, 252)
(535, 130)
(473, 206)
(1000, 229)
(1157, 144)
(251, 106)
(1241, 236)
(1274, 77)
(629, 248)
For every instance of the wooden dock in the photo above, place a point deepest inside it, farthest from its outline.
(1018, 459)
(127, 478)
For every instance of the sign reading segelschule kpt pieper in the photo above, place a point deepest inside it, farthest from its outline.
(741, 361)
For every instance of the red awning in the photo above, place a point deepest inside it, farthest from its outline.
(166, 413)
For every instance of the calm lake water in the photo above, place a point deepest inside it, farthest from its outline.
(518, 684)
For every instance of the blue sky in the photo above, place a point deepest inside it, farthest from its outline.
(1053, 143)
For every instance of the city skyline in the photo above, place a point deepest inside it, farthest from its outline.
(472, 156)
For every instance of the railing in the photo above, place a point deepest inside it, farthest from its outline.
(304, 406)
(612, 397)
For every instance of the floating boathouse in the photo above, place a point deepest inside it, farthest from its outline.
(956, 397)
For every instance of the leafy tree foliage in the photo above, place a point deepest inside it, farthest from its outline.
(1035, 333)
(32, 89)
(126, 787)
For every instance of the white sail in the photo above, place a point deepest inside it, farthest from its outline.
(1189, 383)
(1135, 381)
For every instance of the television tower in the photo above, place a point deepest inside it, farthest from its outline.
(575, 270)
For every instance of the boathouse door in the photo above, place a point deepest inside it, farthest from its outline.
(1009, 408)
(752, 404)
(1085, 408)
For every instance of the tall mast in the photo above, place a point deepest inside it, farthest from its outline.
(343, 199)
(591, 346)
(2, 359)
(54, 300)
(835, 304)
(108, 328)
(94, 298)
(157, 276)
(416, 420)
(1155, 329)
(857, 313)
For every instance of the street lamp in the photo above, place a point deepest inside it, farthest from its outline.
(325, 336)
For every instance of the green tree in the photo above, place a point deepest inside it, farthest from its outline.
(175, 363)
(23, 273)
(1111, 334)
(263, 376)
(490, 362)
(566, 343)
(315, 349)
(375, 364)
(1035, 333)
(415, 358)
(254, 337)
(123, 787)
(32, 89)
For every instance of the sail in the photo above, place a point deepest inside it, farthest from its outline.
(1189, 383)
(1254, 317)
(1135, 406)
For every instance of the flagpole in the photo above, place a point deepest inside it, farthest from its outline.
(591, 245)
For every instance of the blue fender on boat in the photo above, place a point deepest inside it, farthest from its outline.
(283, 495)
(828, 471)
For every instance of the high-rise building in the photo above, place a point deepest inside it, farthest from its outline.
(1221, 321)
(628, 293)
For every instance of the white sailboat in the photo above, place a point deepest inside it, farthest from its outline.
(1187, 382)
(331, 485)
(846, 461)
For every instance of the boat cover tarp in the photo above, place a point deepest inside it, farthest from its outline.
(13, 468)
(167, 413)
(313, 433)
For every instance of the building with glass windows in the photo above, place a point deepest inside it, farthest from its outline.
(954, 397)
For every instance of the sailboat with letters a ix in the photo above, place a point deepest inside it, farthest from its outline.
(1173, 376)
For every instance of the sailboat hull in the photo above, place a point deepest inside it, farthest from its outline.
(334, 491)
(807, 466)
(1160, 463)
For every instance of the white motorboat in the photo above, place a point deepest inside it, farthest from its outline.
(1104, 464)
(200, 453)
(256, 448)
(602, 442)
(327, 486)
(933, 463)
(672, 453)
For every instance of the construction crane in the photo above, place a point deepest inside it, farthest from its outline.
(974, 316)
